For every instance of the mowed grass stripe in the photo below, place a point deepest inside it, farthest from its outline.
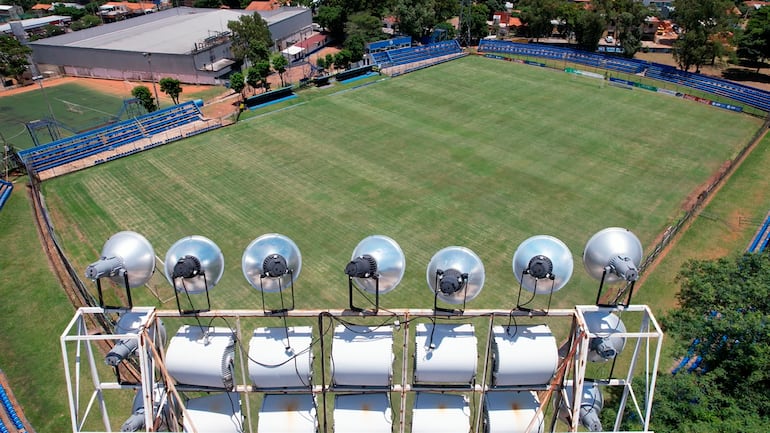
(473, 152)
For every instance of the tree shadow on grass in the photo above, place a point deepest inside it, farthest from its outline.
(747, 71)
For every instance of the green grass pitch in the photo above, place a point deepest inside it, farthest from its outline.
(73, 105)
(475, 152)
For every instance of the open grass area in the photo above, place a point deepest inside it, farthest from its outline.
(33, 315)
(73, 105)
(474, 152)
(431, 159)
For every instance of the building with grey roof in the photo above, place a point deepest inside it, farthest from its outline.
(189, 44)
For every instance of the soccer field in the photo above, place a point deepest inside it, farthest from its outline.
(73, 105)
(475, 152)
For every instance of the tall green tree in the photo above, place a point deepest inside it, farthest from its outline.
(474, 24)
(331, 18)
(14, 57)
(238, 83)
(279, 63)
(143, 95)
(172, 87)
(416, 18)
(364, 25)
(724, 317)
(704, 19)
(589, 27)
(754, 43)
(537, 15)
(251, 38)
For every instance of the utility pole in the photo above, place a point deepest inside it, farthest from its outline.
(148, 56)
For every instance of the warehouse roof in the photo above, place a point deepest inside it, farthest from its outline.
(172, 31)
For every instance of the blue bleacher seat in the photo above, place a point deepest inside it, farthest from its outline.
(110, 137)
(750, 96)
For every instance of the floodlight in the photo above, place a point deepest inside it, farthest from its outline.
(455, 275)
(605, 345)
(136, 421)
(591, 404)
(271, 263)
(376, 266)
(127, 258)
(194, 265)
(542, 264)
(131, 322)
(611, 255)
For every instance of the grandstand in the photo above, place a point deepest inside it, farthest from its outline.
(750, 96)
(5, 192)
(761, 238)
(12, 418)
(429, 52)
(118, 139)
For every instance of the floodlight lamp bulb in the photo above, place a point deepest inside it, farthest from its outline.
(451, 280)
(540, 267)
(364, 266)
(105, 267)
(274, 265)
(187, 267)
(624, 268)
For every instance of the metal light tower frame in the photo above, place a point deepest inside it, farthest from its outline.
(88, 381)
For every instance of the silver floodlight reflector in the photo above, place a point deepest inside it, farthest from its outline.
(217, 412)
(612, 255)
(605, 344)
(591, 404)
(542, 264)
(132, 322)
(513, 411)
(128, 259)
(194, 265)
(376, 266)
(455, 275)
(271, 263)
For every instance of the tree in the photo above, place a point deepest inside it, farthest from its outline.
(537, 15)
(13, 57)
(627, 17)
(74, 13)
(86, 22)
(356, 45)
(332, 19)
(279, 65)
(589, 27)
(451, 33)
(754, 43)
(250, 38)
(365, 26)
(475, 22)
(445, 9)
(321, 62)
(416, 18)
(207, 4)
(262, 69)
(723, 317)
(706, 19)
(172, 87)
(690, 49)
(142, 93)
(237, 83)
(342, 59)
(253, 78)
